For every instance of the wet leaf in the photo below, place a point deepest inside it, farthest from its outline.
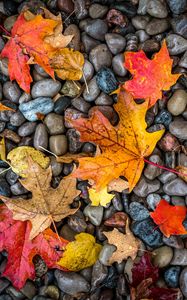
(100, 198)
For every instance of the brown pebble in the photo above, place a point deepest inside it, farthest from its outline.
(11, 135)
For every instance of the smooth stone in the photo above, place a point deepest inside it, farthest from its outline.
(179, 128)
(106, 253)
(61, 104)
(125, 7)
(176, 187)
(171, 276)
(55, 166)
(115, 42)
(40, 137)
(37, 77)
(157, 9)
(156, 26)
(179, 257)
(74, 143)
(177, 103)
(179, 201)
(150, 45)
(27, 129)
(26, 141)
(118, 65)
(88, 42)
(67, 233)
(41, 71)
(100, 56)
(51, 290)
(2, 44)
(164, 117)
(97, 11)
(183, 61)
(17, 119)
(142, 35)
(40, 105)
(58, 144)
(145, 187)
(17, 189)
(88, 71)
(94, 213)
(177, 7)
(11, 91)
(99, 273)
(54, 123)
(183, 281)
(71, 283)
(24, 98)
(4, 283)
(71, 89)
(106, 80)
(108, 112)
(96, 29)
(2, 126)
(153, 200)
(179, 25)
(142, 7)
(4, 188)
(87, 273)
(93, 89)
(77, 223)
(151, 172)
(65, 5)
(73, 29)
(162, 256)
(11, 177)
(104, 99)
(140, 22)
(80, 8)
(138, 212)
(12, 136)
(176, 44)
(45, 88)
(81, 104)
(173, 241)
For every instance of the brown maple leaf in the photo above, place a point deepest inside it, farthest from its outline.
(47, 204)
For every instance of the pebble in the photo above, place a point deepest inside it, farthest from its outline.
(104, 99)
(72, 114)
(80, 104)
(173, 241)
(41, 105)
(40, 137)
(87, 273)
(142, 36)
(140, 22)
(183, 281)
(179, 128)
(77, 223)
(11, 177)
(55, 166)
(71, 283)
(51, 291)
(176, 200)
(17, 119)
(162, 256)
(45, 88)
(2, 126)
(176, 187)
(115, 17)
(71, 89)
(4, 283)
(164, 117)
(11, 91)
(4, 188)
(147, 232)
(14, 293)
(97, 11)
(80, 8)
(176, 44)
(100, 56)
(183, 61)
(29, 290)
(153, 200)
(142, 7)
(54, 123)
(27, 128)
(168, 142)
(151, 172)
(177, 103)
(115, 42)
(106, 80)
(88, 71)
(177, 7)
(1, 92)
(58, 144)
(145, 187)
(88, 42)
(117, 203)
(61, 104)
(99, 273)
(138, 212)
(24, 98)
(150, 45)
(118, 65)
(171, 276)
(125, 7)
(4, 66)
(179, 257)
(65, 5)
(67, 233)
(73, 29)
(94, 213)
(17, 189)
(157, 9)
(96, 29)
(9, 22)
(41, 71)
(179, 25)
(106, 253)
(156, 26)
(74, 143)
(2, 44)
(93, 89)
(11, 135)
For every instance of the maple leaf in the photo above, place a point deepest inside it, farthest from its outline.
(100, 198)
(150, 77)
(169, 218)
(47, 204)
(127, 245)
(123, 146)
(14, 238)
(4, 107)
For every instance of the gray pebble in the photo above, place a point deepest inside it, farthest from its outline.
(58, 144)
(17, 119)
(177, 7)
(179, 25)
(88, 42)
(138, 212)
(55, 166)
(162, 256)
(99, 273)
(179, 257)
(177, 103)
(106, 254)
(94, 90)
(41, 71)
(97, 11)
(73, 29)
(80, 8)
(115, 42)
(100, 57)
(173, 241)
(157, 9)
(88, 71)
(54, 123)
(167, 176)
(179, 128)
(104, 99)
(1, 92)
(118, 65)
(151, 172)
(27, 128)
(18, 189)
(142, 36)
(176, 187)
(156, 26)
(183, 281)
(41, 137)
(142, 7)
(45, 88)
(11, 91)
(24, 98)
(11, 177)
(71, 89)
(145, 187)
(4, 66)
(74, 143)
(96, 29)
(94, 213)
(2, 44)
(81, 104)
(183, 61)
(153, 200)
(140, 22)
(176, 44)
(29, 290)
(176, 200)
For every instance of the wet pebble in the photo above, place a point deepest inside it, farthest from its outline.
(74, 143)
(150, 45)
(156, 26)
(96, 29)
(73, 29)
(97, 11)
(93, 90)
(11, 91)
(27, 128)
(45, 88)
(179, 128)
(118, 65)
(157, 9)
(171, 276)
(115, 42)
(11, 177)
(17, 119)
(176, 44)
(106, 253)
(54, 123)
(106, 80)
(80, 8)
(153, 200)
(162, 256)
(179, 257)
(100, 56)
(99, 273)
(81, 104)
(151, 172)
(58, 144)
(140, 22)
(104, 99)
(74, 114)
(61, 104)
(138, 212)
(183, 281)
(164, 117)
(88, 42)
(24, 98)
(176, 187)
(41, 105)
(177, 7)
(18, 189)
(77, 223)
(179, 25)
(40, 137)
(88, 71)
(94, 213)
(4, 188)
(67, 233)
(177, 103)
(146, 186)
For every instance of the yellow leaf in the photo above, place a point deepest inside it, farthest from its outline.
(102, 197)
(19, 159)
(2, 149)
(81, 253)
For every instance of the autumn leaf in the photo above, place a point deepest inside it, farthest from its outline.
(47, 204)
(123, 146)
(100, 198)
(2, 149)
(69, 157)
(182, 172)
(117, 185)
(150, 76)
(169, 218)
(81, 253)
(4, 107)
(14, 238)
(127, 245)
(118, 219)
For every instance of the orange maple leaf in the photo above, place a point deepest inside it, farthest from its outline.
(150, 76)
(123, 147)
(169, 218)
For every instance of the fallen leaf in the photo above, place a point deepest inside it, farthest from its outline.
(81, 253)
(99, 198)
(118, 185)
(4, 107)
(47, 204)
(40, 116)
(118, 219)
(150, 76)
(67, 63)
(2, 149)
(14, 238)
(18, 158)
(183, 172)
(127, 245)
(169, 218)
(123, 146)
(69, 157)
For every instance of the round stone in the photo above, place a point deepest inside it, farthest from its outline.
(100, 57)
(177, 103)
(41, 137)
(106, 254)
(54, 123)
(58, 144)
(97, 11)
(115, 42)
(118, 65)
(171, 276)
(94, 213)
(93, 90)
(45, 88)
(162, 256)
(138, 212)
(157, 9)
(106, 80)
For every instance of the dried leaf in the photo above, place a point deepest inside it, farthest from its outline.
(150, 77)
(14, 238)
(183, 171)
(100, 198)
(123, 146)
(81, 253)
(47, 204)
(118, 185)
(19, 159)
(2, 149)
(169, 218)
(127, 245)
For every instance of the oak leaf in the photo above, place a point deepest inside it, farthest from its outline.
(47, 204)
(81, 253)
(169, 218)
(100, 198)
(14, 238)
(123, 146)
(150, 76)
(127, 245)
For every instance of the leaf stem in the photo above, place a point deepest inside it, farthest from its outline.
(8, 33)
(164, 168)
